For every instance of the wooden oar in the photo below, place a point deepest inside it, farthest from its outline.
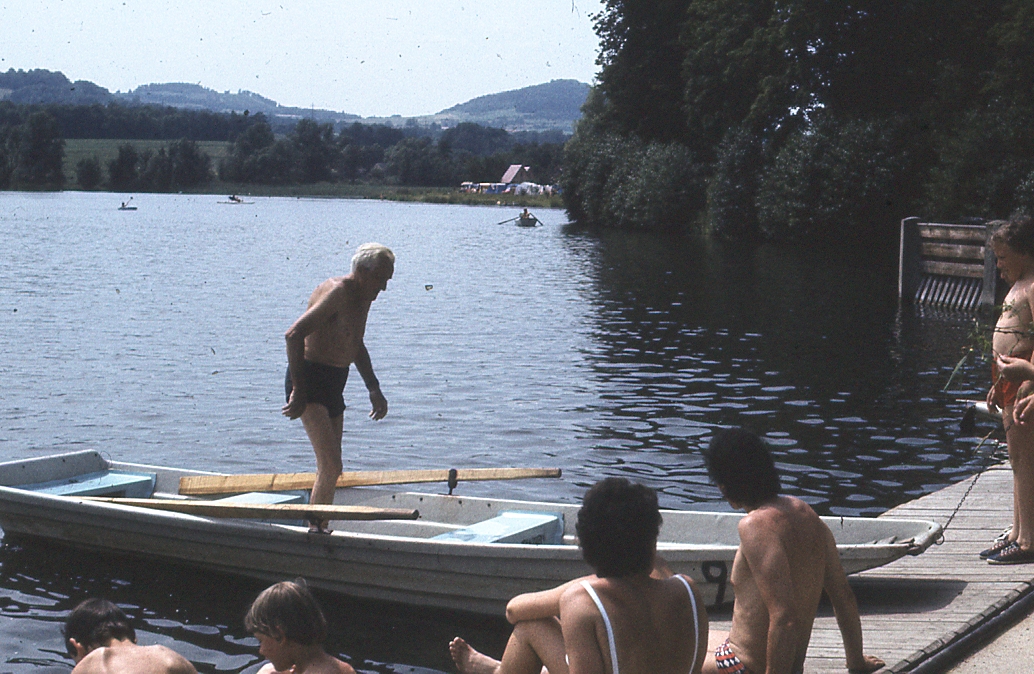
(264, 510)
(196, 485)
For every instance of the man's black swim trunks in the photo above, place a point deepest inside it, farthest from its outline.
(326, 386)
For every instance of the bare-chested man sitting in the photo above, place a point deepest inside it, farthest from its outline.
(100, 639)
(623, 620)
(786, 559)
(321, 345)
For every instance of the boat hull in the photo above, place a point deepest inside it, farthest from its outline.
(402, 561)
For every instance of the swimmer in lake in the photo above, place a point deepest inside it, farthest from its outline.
(100, 640)
(291, 629)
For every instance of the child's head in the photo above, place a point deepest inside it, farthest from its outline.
(287, 610)
(1017, 233)
(95, 623)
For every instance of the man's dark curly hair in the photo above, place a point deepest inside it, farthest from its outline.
(617, 527)
(739, 462)
(95, 623)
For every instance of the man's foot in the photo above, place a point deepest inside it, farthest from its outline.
(319, 527)
(469, 661)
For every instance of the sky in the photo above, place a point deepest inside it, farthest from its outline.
(367, 57)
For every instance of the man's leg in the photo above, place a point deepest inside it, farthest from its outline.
(325, 435)
(714, 640)
(534, 644)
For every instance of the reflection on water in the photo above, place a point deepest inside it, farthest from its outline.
(155, 336)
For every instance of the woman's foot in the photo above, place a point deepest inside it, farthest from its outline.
(470, 661)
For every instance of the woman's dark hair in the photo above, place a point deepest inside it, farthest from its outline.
(617, 527)
(288, 610)
(95, 623)
(739, 462)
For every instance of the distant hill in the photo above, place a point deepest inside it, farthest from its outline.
(543, 107)
(197, 97)
(43, 86)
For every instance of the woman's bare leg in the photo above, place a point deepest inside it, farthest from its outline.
(534, 644)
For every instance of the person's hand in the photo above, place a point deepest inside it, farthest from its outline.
(870, 664)
(380, 404)
(1023, 410)
(1015, 369)
(295, 406)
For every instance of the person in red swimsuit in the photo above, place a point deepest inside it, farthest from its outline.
(1013, 342)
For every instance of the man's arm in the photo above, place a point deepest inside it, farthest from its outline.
(770, 569)
(845, 607)
(365, 369)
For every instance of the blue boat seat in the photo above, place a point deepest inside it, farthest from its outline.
(512, 526)
(112, 483)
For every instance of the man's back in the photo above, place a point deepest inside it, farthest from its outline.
(128, 658)
(654, 627)
(778, 577)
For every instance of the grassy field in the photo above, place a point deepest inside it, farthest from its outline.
(106, 150)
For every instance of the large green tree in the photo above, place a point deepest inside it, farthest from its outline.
(40, 152)
(810, 118)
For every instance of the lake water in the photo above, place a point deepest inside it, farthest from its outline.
(156, 336)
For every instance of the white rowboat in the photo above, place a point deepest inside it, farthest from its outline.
(463, 553)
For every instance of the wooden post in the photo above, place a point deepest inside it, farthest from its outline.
(988, 293)
(908, 260)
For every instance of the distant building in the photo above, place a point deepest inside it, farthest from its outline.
(517, 174)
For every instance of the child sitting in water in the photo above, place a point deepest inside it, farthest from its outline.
(100, 640)
(291, 628)
(1012, 372)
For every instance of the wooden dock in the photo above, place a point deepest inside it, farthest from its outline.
(913, 608)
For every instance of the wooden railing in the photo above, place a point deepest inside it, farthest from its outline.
(945, 265)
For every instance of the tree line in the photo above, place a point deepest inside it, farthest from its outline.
(306, 152)
(313, 153)
(806, 119)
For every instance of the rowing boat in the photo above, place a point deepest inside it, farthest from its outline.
(423, 549)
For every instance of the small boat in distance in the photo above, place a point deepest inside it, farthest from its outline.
(234, 199)
(422, 549)
(526, 219)
(125, 206)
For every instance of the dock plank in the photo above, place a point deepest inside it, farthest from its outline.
(915, 606)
